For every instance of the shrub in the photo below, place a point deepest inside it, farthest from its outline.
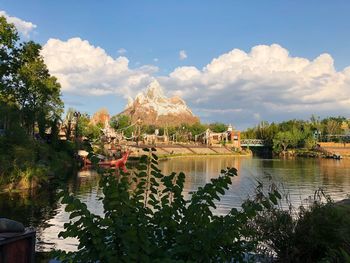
(147, 219)
(319, 232)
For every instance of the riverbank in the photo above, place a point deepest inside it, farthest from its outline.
(188, 150)
(324, 150)
(174, 156)
(342, 149)
(34, 163)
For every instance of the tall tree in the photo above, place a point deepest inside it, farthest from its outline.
(38, 92)
(8, 49)
(26, 85)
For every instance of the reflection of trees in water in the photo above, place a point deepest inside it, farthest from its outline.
(85, 182)
(33, 209)
(298, 178)
(301, 177)
(199, 170)
(37, 208)
(30, 208)
(335, 171)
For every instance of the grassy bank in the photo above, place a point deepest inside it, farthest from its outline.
(30, 163)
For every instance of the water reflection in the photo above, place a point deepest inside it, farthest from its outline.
(31, 208)
(297, 177)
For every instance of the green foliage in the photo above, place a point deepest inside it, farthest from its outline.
(34, 160)
(88, 129)
(121, 122)
(148, 129)
(26, 87)
(148, 219)
(293, 134)
(283, 140)
(218, 127)
(29, 103)
(317, 233)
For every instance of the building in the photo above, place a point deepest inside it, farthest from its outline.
(230, 137)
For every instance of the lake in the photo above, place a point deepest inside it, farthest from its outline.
(298, 178)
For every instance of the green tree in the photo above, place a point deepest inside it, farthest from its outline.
(25, 82)
(29, 101)
(218, 127)
(8, 50)
(284, 140)
(69, 122)
(121, 123)
(197, 128)
(38, 93)
(87, 129)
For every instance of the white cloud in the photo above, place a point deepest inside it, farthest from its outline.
(122, 51)
(182, 54)
(266, 83)
(82, 68)
(24, 27)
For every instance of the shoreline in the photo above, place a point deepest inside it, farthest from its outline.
(174, 156)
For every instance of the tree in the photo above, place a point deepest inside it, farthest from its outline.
(284, 140)
(197, 128)
(218, 127)
(25, 82)
(332, 127)
(87, 129)
(68, 122)
(122, 123)
(38, 93)
(8, 49)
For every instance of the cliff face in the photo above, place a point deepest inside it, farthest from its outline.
(153, 108)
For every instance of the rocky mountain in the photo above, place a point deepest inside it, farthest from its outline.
(153, 108)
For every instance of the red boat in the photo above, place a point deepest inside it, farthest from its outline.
(116, 163)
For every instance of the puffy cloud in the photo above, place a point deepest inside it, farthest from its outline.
(182, 54)
(83, 68)
(24, 27)
(267, 83)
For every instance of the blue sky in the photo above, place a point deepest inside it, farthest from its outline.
(154, 32)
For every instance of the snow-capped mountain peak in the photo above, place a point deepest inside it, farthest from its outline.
(154, 107)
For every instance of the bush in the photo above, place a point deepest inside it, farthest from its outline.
(319, 232)
(147, 219)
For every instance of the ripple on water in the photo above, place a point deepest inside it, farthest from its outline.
(298, 178)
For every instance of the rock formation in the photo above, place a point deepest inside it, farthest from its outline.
(153, 108)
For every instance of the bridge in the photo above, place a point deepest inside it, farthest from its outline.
(252, 143)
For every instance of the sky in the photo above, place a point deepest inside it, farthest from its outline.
(238, 62)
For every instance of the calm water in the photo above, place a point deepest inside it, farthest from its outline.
(299, 178)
